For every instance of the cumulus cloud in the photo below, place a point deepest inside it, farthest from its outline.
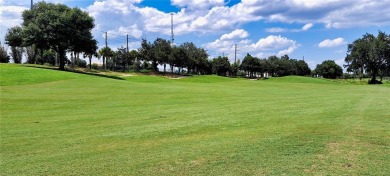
(212, 16)
(270, 45)
(328, 43)
(238, 33)
(10, 16)
(274, 42)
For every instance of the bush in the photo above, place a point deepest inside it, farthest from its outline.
(329, 69)
(95, 66)
(82, 63)
(145, 71)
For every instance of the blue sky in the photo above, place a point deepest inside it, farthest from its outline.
(315, 30)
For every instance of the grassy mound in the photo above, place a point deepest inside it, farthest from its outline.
(61, 123)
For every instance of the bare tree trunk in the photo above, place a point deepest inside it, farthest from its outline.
(62, 59)
(72, 59)
(90, 60)
(104, 62)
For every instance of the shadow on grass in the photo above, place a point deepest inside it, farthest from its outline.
(77, 71)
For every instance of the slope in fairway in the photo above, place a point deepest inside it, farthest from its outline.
(59, 123)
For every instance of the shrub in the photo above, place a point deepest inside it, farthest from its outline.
(95, 66)
(82, 63)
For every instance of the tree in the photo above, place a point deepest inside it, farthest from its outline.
(369, 54)
(162, 50)
(221, 65)
(146, 52)
(57, 27)
(4, 58)
(191, 52)
(14, 39)
(133, 58)
(329, 69)
(106, 53)
(201, 61)
(124, 58)
(178, 58)
(90, 50)
(272, 65)
(48, 57)
(302, 68)
(31, 54)
(17, 54)
(251, 65)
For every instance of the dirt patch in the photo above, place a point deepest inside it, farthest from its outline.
(178, 77)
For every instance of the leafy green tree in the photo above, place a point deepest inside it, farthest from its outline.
(124, 58)
(302, 68)
(31, 53)
(133, 58)
(146, 53)
(202, 63)
(251, 65)
(272, 65)
(90, 50)
(369, 54)
(48, 57)
(162, 50)
(191, 52)
(178, 58)
(14, 39)
(329, 69)
(57, 27)
(221, 65)
(17, 54)
(4, 58)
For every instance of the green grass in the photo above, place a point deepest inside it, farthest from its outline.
(61, 123)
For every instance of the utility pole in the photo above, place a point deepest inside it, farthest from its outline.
(106, 39)
(127, 51)
(127, 42)
(172, 39)
(235, 53)
(31, 4)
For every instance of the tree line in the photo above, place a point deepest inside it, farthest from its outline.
(49, 31)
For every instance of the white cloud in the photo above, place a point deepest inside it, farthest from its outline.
(307, 26)
(280, 30)
(238, 33)
(273, 42)
(276, 30)
(328, 43)
(314, 3)
(131, 30)
(271, 45)
(197, 4)
(340, 62)
(10, 16)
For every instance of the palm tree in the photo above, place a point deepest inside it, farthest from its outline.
(105, 52)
